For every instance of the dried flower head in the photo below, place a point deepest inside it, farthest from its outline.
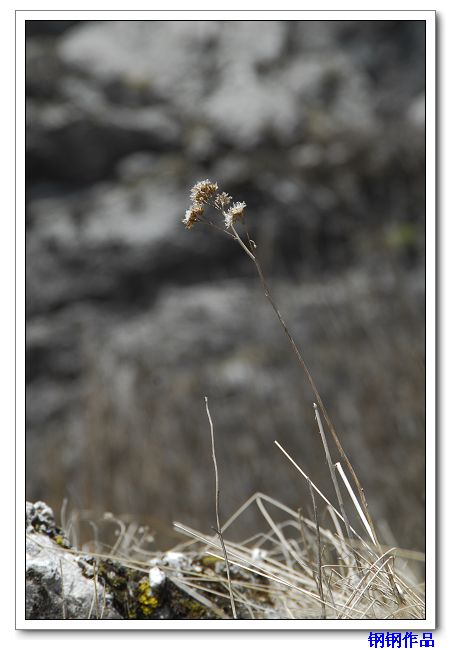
(234, 213)
(192, 215)
(222, 201)
(202, 191)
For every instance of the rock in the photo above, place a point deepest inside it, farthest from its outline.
(39, 518)
(91, 144)
(64, 583)
(55, 585)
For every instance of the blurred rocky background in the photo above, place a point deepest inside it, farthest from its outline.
(131, 319)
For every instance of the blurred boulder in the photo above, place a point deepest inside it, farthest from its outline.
(131, 319)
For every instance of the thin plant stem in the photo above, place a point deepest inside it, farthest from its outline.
(203, 193)
(311, 381)
(303, 537)
(218, 525)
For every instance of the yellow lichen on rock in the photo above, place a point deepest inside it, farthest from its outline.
(147, 601)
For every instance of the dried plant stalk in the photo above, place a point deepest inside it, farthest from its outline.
(218, 525)
(207, 194)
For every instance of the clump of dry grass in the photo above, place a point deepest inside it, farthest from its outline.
(309, 571)
(298, 569)
(304, 570)
(294, 569)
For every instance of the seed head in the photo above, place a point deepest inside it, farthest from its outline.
(234, 213)
(222, 201)
(192, 215)
(202, 191)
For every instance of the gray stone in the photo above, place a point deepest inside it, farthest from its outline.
(55, 585)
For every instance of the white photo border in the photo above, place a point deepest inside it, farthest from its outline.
(429, 623)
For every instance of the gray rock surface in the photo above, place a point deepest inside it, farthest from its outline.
(56, 587)
(63, 583)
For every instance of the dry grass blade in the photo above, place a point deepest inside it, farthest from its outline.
(333, 476)
(318, 535)
(278, 532)
(318, 491)
(355, 502)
